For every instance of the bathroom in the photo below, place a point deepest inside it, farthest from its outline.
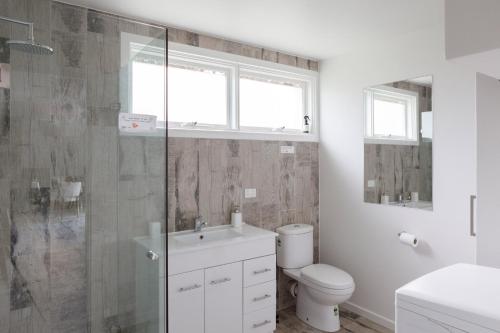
(232, 166)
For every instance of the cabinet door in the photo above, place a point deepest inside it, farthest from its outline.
(488, 164)
(186, 302)
(224, 299)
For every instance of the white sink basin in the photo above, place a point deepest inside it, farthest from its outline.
(219, 245)
(207, 236)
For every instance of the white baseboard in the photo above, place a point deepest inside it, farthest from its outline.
(376, 318)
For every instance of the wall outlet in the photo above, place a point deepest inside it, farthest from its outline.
(287, 149)
(250, 193)
(371, 183)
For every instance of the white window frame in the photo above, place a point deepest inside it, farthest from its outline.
(235, 64)
(409, 98)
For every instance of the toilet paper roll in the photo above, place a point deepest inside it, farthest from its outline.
(408, 239)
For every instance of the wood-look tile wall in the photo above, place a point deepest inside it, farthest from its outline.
(208, 178)
(218, 44)
(401, 169)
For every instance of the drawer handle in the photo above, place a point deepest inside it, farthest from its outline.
(265, 322)
(261, 298)
(195, 286)
(220, 281)
(261, 271)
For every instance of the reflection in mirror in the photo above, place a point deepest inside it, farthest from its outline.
(398, 143)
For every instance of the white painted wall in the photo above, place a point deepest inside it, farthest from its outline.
(488, 164)
(362, 238)
(472, 26)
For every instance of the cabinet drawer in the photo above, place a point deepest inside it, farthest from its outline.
(186, 302)
(259, 270)
(262, 321)
(259, 296)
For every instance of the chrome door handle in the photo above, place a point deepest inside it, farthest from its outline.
(220, 281)
(265, 322)
(261, 271)
(152, 255)
(472, 216)
(261, 298)
(195, 286)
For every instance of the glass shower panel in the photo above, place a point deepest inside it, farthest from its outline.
(82, 204)
(127, 173)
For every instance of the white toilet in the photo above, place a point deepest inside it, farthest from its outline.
(321, 287)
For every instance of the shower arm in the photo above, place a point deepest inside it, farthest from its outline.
(27, 24)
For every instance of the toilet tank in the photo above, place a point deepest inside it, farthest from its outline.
(294, 248)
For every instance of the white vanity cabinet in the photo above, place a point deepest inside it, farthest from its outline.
(222, 286)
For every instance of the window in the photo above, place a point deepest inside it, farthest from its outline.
(142, 80)
(391, 116)
(271, 102)
(197, 95)
(212, 91)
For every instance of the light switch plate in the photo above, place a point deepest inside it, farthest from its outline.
(250, 193)
(371, 183)
(287, 149)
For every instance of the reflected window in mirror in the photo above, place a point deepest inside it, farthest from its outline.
(398, 143)
(391, 115)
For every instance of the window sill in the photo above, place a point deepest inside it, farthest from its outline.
(240, 135)
(395, 142)
(159, 132)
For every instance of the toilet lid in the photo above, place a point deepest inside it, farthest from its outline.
(327, 276)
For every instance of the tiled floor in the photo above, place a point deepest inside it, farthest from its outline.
(349, 322)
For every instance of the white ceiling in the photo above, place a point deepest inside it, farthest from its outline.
(315, 28)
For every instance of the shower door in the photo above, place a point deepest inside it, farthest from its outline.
(82, 173)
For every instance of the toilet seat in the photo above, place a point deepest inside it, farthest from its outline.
(327, 277)
(324, 278)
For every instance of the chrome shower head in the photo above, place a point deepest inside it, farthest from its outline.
(30, 47)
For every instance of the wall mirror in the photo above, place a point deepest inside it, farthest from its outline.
(398, 143)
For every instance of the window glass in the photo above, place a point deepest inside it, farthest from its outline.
(389, 117)
(426, 125)
(197, 94)
(142, 76)
(271, 103)
(148, 89)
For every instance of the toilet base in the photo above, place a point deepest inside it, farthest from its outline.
(322, 317)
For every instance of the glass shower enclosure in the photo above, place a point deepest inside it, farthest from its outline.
(82, 172)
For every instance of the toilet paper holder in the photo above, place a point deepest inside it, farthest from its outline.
(408, 239)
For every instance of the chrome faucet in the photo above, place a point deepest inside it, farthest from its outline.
(199, 223)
